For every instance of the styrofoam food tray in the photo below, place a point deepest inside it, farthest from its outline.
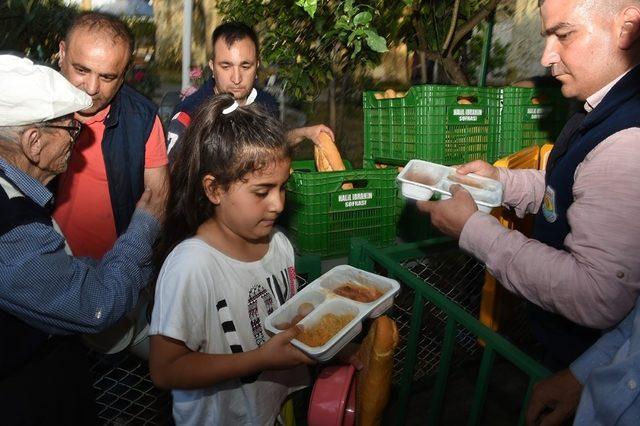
(420, 179)
(320, 294)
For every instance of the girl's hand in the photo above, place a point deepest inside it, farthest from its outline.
(279, 354)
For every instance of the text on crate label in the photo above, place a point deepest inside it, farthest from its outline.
(467, 114)
(536, 113)
(356, 199)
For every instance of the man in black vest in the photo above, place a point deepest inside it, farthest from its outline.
(581, 269)
(46, 294)
(121, 149)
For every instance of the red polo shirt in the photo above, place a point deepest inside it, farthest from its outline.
(83, 204)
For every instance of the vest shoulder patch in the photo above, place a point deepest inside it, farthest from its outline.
(549, 205)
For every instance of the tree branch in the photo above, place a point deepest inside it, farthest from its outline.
(452, 27)
(468, 26)
(433, 55)
(420, 31)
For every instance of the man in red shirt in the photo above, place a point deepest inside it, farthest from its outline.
(121, 148)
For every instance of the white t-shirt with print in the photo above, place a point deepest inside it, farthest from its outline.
(216, 304)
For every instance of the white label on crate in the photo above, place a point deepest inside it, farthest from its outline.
(536, 113)
(355, 199)
(467, 114)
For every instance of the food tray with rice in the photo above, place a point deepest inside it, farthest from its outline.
(331, 309)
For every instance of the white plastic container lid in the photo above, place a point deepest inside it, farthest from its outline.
(319, 298)
(419, 180)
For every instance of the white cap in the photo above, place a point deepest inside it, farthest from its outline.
(32, 93)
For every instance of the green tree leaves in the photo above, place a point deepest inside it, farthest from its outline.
(311, 42)
(34, 27)
(309, 6)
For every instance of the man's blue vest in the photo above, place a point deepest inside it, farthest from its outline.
(127, 129)
(619, 110)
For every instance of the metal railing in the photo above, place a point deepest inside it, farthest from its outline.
(455, 334)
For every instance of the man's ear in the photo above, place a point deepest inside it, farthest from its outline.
(32, 144)
(61, 52)
(630, 28)
(211, 189)
(211, 64)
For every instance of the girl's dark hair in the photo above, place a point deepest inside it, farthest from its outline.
(226, 146)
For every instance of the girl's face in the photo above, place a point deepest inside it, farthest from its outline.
(250, 207)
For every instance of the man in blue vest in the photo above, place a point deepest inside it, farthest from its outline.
(121, 149)
(46, 294)
(234, 64)
(581, 268)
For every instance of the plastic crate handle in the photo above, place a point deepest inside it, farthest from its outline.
(467, 99)
(350, 184)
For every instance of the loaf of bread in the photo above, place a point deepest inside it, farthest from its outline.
(374, 379)
(328, 157)
(326, 154)
(389, 94)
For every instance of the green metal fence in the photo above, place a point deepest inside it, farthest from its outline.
(441, 317)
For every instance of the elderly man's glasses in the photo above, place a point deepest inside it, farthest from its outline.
(73, 129)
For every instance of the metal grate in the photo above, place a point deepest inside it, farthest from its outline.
(514, 326)
(458, 276)
(125, 394)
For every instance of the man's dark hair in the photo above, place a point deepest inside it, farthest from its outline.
(232, 32)
(102, 22)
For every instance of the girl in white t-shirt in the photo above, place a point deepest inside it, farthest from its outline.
(224, 269)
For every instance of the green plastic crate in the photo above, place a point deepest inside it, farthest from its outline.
(320, 217)
(310, 165)
(530, 116)
(429, 123)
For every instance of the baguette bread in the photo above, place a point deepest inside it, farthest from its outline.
(374, 379)
(326, 154)
(328, 157)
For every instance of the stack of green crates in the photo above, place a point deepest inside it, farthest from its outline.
(321, 217)
(443, 124)
(530, 116)
(437, 123)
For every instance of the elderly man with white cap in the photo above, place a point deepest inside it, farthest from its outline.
(46, 294)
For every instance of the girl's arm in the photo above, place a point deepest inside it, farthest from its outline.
(174, 366)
